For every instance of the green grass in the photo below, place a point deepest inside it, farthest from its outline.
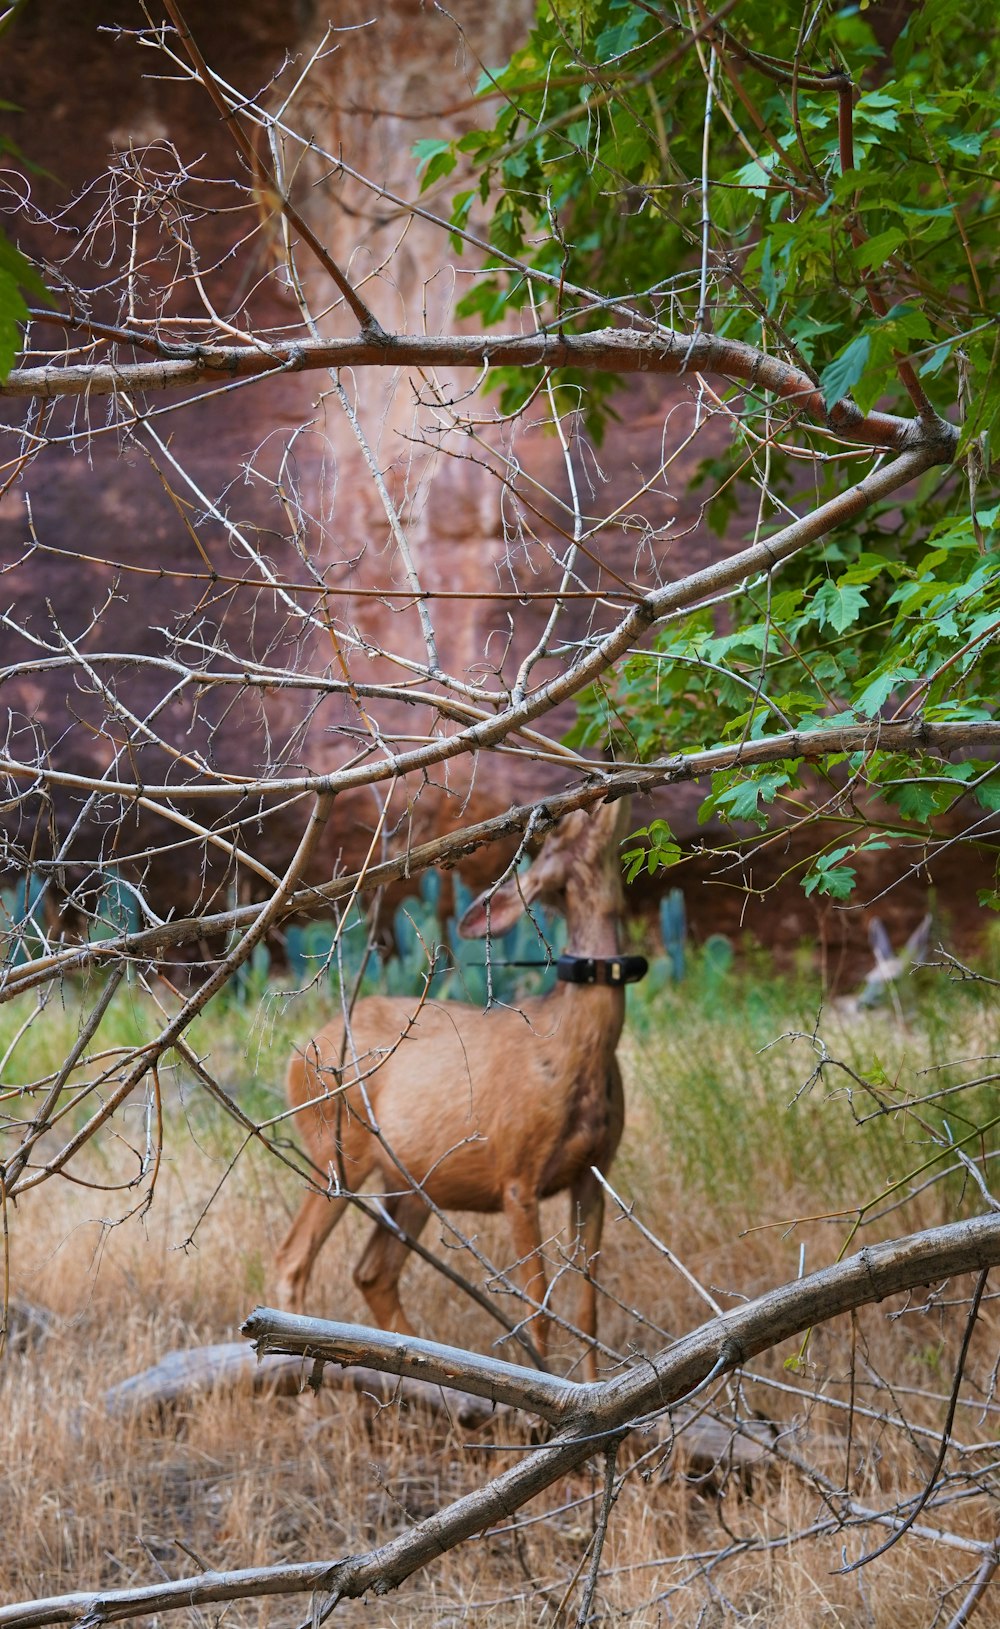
(729, 1063)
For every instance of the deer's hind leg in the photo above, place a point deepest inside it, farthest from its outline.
(317, 1216)
(378, 1272)
(520, 1207)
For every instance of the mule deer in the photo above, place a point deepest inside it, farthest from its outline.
(472, 1110)
(888, 967)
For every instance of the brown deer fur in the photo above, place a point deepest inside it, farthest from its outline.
(480, 1111)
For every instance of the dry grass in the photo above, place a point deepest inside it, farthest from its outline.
(712, 1150)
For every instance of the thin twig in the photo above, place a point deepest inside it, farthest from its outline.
(907, 1523)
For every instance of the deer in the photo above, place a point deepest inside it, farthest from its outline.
(459, 1108)
(888, 967)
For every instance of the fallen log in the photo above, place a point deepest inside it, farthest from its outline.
(185, 1375)
(24, 1324)
(708, 1446)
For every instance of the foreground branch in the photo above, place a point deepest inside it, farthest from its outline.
(611, 350)
(291, 1335)
(606, 1409)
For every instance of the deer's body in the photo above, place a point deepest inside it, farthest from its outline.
(462, 1109)
(486, 1133)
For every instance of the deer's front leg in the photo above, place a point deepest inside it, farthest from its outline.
(318, 1214)
(587, 1224)
(586, 1217)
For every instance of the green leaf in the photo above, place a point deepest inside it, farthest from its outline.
(878, 249)
(838, 605)
(741, 802)
(434, 159)
(918, 801)
(461, 204)
(878, 109)
(621, 36)
(755, 176)
(904, 321)
(987, 793)
(659, 851)
(935, 362)
(874, 695)
(13, 311)
(488, 300)
(18, 277)
(971, 143)
(827, 875)
(842, 374)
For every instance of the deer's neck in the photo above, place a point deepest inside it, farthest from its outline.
(592, 934)
(595, 1012)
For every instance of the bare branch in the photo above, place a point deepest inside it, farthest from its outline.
(448, 849)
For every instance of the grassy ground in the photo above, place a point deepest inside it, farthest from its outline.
(724, 1151)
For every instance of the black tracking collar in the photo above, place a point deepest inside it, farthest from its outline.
(601, 969)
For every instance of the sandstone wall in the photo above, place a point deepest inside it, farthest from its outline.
(133, 557)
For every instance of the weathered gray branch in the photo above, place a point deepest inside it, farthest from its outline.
(605, 1409)
(191, 1372)
(347, 1344)
(913, 736)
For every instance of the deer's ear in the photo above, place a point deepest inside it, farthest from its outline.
(506, 906)
(879, 940)
(916, 944)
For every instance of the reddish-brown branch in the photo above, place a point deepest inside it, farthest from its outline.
(614, 350)
(845, 132)
(788, 73)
